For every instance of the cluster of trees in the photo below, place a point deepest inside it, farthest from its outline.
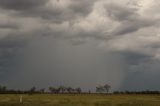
(63, 89)
(4, 90)
(69, 90)
(136, 92)
(103, 88)
(34, 90)
(54, 90)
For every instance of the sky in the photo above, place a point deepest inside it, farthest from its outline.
(80, 43)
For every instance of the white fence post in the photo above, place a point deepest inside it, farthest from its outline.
(21, 99)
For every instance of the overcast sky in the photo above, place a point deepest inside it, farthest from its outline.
(80, 43)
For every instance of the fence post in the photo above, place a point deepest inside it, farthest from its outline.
(21, 99)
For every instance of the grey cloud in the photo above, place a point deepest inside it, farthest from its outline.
(58, 62)
(129, 18)
(128, 27)
(121, 13)
(27, 7)
(8, 49)
(55, 12)
(6, 56)
(135, 58)
(75, 10)
(82, 7)
(12, 42)
(143, 77)
(125, 28)
(21, 4)
(8, 26)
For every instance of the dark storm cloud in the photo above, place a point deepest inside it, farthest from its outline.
(26, 7)
(64, 64)
(134, 58)
(143, 77)
(8, 49)
(21, 5)
(65, 38)
(75, 10)
(49, 9)
(6, 56)
(82, 7)
(12, 42)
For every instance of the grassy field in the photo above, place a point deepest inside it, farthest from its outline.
(80, 100)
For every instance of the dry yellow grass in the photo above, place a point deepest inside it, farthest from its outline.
(80, 100)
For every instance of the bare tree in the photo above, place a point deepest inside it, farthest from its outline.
(62, 89)
(100, 89)
(69, 89)
(103, 89)
(52, 89)
(32, 90)
(107, 87)
(78, 90)
(42, 90)
(3, 89)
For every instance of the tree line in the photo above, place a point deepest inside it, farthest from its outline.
(34, 90)
(100, 89)
(54, 90)
(137, 92)
(63, 89)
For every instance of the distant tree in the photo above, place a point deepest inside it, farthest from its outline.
(107, 87)
(116, 92)
(3, 89)
(69, 89)
(58, 90)
(42, 90)
(89, 91)
(100, 89)
(62, 89)
(32, 90)
(52, 89)
(103, 88)
(78, 90)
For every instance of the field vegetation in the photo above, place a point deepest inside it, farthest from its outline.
(79, 100)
